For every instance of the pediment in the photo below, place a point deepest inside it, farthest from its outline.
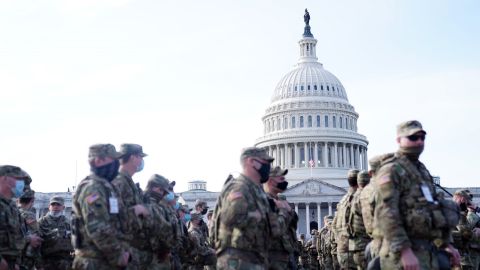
(313, 186)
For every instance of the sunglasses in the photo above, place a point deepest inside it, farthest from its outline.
(414, 138)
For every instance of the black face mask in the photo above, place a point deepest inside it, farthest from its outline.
(282, 185)
(204, 211)
(264, 172)
(463, 207)
(108, 171)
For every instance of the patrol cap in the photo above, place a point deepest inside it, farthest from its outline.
(409, 128)
(352, 173)
(103, 151)
(329, 217)
(132, 149)
(200, 202)
(363, 178)
(196, 216)
(171, 186)
(28, 194)
(464, 193)
(57, 199)
(184, 208)
(255, 152)
(157, 180)
(210, 212)
(12, 171)
(277, 171)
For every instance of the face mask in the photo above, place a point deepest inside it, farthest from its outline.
(177, 205)
(140, 167)
(264, 172)
(170, 196)
(108, 171)
(282, 185)
(204, 211)
(187, 217)
(17, 190)
(412, 152)
(55, 213)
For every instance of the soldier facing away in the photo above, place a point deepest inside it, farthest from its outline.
(408, 209)
(31, 257)
(56, 231)
(241, 229)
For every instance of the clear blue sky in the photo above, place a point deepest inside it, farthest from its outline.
(190, 80)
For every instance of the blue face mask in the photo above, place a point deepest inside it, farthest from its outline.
(177, 205)
(170, 196)
(18, 189)
(140, 167)
(187, 217)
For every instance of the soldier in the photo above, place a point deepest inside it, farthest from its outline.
(55, 229)
(474, 220)
(241, 230)
(340, 224)
(312, 250)
(31, 257)
(201, 208)
(465, 233)
(408, 207)
(209, 219)
(13, 239)
(99, 217)
(161, 224)
(324, 246)
(360, 238)
(130, 194)
(303, 256)
(201, 251)
(281, 247)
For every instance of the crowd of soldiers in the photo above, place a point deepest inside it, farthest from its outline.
(392, 217)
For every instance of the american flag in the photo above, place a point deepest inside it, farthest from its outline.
(311, 162)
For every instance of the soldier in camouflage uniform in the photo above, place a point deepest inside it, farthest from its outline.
(342, 229)
(474, 220)
(408, 207)
(13, 182)
(242, 225)
(465, 233)
(282, 247)
(201, 208)
(130, 193)
(324, 246)
(360, 238)
(201, 252)
(303, 256)
(312, 253)
(99, 217)
(55, 229)
(31, 257)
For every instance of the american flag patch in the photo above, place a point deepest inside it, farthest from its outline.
(234, 195)
(91, 198)
(383, 180)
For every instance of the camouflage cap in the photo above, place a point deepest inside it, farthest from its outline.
(352, 173)
(375, 163)
(28, 194)
(184, 208)
(157, 180)
(57, 199)
(12, 171)
(196, 216)
(329, 217)
(200, 202)
(464, 193)
(409, 128)
(363, 178)
(255, 152)
(277, 171)
(132, 149)
(103, 151)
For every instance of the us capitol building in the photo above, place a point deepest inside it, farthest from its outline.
(310, 128)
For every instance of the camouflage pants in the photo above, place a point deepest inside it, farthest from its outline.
(327, 263)
(475, 258)
(335, 264)
(57, 263)
(426, 258)
(83, 263)
(232, 262)
(345, 260)
(359, 260)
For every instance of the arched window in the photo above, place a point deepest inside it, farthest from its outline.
(309, 121)
(326, 120)
(293, 121)
(308, 87)
(334, 121)
(278, 123)
(341, 122)
(285, 123)
(346, 123)
(301, 121)
(328, 88)
(301, 87)
(351, 123)
(321, 87)
(318, 120)
(315, 87)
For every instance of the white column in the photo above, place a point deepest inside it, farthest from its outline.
(365, 156)
(307, 153)
(335, 163)
(351, 155)
(330, 212)
(325, 154)
(307, 218)
(358, 156)
(288, 160)
(315, 155)
(319, 216)
(345, 155)
(296, 211)
(296, 156)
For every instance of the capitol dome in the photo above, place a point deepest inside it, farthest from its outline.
(310, 127)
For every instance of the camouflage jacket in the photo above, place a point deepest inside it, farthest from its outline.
(340, 224)
(31, 256)
(284, 242)
(99, 221)
(56, 234)
(474, 220)
(12, 230)
(242, 218)
(406, 208)
(367, 205)
(200, 248)
(360, 237)
(129, 192)
(158, 228)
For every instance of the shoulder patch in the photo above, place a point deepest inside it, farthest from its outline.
(92, 198)
(234, 195)
(384, 179)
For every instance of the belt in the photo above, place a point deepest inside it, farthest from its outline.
(253, 257)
